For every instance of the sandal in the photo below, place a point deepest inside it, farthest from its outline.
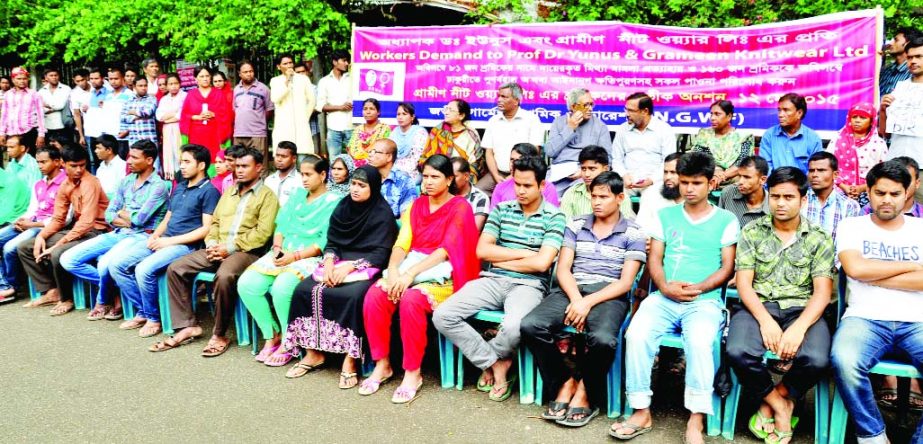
(345, 377)
(214, 349)
(636, 430)
(150, 329)
(779, 436)
(918, 405)
(62, 308)
(300, 369)
(887, 398)
(759, 431)
(170, 343)
(483, 386)
(113, 314)
(98, 312)
(371, 386)
(278, 359)
(588, 415)
(508, 390)
(267, 351)
(555, 406)
(403, 395)
(8, 297)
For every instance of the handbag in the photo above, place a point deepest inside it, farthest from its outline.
(365, 274)
(440, 273)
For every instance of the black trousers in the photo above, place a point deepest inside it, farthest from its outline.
(545, 325)
(745, 351)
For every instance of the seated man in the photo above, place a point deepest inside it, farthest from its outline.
(82, 197)
(601, 256)
(189, 215)
(660, 195)
(479, 201)
(911, 208)
(242, 225)
(286, 180)
(576, 200)
(827, 203)
(691, 257)
(41, 206)
(785, 280)
(134, 211)
(111, 168)
(505, 191)
(881, 257)
(641, 144)
(21, 163)
(747, 198)
(397, 187)
(570, 133)
(791, 142)
(520, 242)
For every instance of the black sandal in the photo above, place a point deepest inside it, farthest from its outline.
(555, 406)
(588, 415)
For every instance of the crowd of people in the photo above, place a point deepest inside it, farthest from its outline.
(553, 229)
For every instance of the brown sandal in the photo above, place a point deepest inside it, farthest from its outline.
(170, 343)
(214, 349)
(98, 312)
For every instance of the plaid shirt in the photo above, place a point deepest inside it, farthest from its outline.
(144, 126)
(22, 110)
(837, 207)
(890, 75)
(146, 204)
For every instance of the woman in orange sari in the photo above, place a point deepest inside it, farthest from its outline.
(434, 256)
(206, 116)
(368, 133)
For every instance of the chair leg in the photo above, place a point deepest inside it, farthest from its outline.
(80, 294)
(526, 384)
(446, 361)
(838, 418)
(614, 386)
(242, 323)
(822, 411)
(730, 409)
(163, 300)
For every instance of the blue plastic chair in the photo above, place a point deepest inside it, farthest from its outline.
(33, 295)
(163, 301)
(451, 362)
(83, 299)
(242, 321)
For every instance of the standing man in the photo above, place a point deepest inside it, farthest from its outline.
(22, 113)
(80, 102)
(252, 108)
(479, 201)
(785, 281)
(790, 143)
(897, 70)
(287, 179)
(335, 99)
(111, 168)
(520, 243)
(747, 199)
(151, 69)
(21, 163)
(905, 104)
(55, 101)
(115, 99)
(293, 99)
(80, 199)
(827, 204)
(594, 160)
(569, 134)
(138, 122)
(397, 187)
(241, 227)
(881, 257)
(509, 126)
(92, 117)
(641, 144)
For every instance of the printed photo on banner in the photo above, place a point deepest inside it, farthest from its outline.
(382, 81)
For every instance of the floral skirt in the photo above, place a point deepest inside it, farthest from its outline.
(327, 319)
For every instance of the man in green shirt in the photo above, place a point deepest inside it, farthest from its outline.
(785, 280)
(576, 200)
(16, 196)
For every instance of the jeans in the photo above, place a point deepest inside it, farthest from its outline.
(136, 271)
(858, 345)
(699, 322)
(337, 141)
(104, 248)
(11, 268)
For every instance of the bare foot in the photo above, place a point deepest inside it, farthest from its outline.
(188, 332)
(694, 428)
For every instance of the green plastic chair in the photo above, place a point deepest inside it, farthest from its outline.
(242, 322)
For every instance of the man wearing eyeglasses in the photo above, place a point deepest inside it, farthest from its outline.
(569, 134)
(397, 187)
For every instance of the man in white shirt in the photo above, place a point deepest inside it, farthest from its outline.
(55, 100)
(111, 168)
(334, 99)
(882, 256)
(905, 105)
(286, 180)
(509, 126)
(80, 101)
(641, 144)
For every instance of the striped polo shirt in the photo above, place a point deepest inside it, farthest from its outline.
(601, 260)
(513, 229)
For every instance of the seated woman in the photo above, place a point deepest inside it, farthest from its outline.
(857, 149)
(434, 257)
(455, 138)
(326, 311)
(341, 169)
(726, 145)
(301, 234)
(368, 133)
(410, 139)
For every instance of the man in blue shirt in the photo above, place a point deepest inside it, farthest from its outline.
(397, 187)
(188, 218)
(790, 143)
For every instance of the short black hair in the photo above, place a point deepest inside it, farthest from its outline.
(644, 101)
(461, 164)
(199, 153)
(278, 59)
(797, 100)
(245, 62)
(146, 146)
(320, 164)
(374, 103)
(78, 154)
(910, 163)
(234, 151)
(913, 41)
(534, 164)
(52, 152)
(525, 149)
(756, 162)
(594, 153)
(117, 69)
(96, 70)
(892, 170)
(200, 68)
(339, 54)
(696, 163)
(50, 70)
(287, 145)
(824, 155)
(610, 179)
(789, 175)
(108, 142)
(82, 72)
(672, 156)
(256, 154)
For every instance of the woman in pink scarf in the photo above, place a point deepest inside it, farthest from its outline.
(857, 149)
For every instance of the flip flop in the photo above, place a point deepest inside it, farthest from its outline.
(506, 393)
(780, 435)
(916, 407)
(300, 369)
(147, 331)
(286, 358)
(483, 386)
(403, 395)
(758, 431)
(113, 314)
(133, 324)
(169, 344)
(588, 415)
(555, 406)
(346, 376)
(214, 350)
(886, 403)
(371, 386)
(266, 352)
(636, 431)
(10, 298)
(97, 313)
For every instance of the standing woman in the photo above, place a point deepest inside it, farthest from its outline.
(411, 139)
(726, 145)
(326, 312)
(205, 117)
(857, 149)
(168, 113)
(454, 137)
(220, 82)
(434, 257)
(368, 133)
(341, 170)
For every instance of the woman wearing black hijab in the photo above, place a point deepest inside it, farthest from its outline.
(326, 312)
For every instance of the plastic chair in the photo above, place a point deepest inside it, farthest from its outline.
(163, 301)
(242, 321)
(33, 295)
(81, 299)
(451, 362)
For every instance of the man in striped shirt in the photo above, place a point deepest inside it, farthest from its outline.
(827, 204)
(897, 70)
(520, 242)
(138, 121)
(22, 113)
(576, 200)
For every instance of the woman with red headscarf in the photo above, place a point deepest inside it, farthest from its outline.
(857, 149)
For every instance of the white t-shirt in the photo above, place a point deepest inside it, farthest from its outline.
(111, 174)
(651, 203)
(502, 133)
(906, 245)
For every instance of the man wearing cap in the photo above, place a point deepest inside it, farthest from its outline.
(22, 113)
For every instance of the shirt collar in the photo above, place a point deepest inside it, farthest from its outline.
(804, 226)
(781, 131)
(256, 186)
(619, 228)
(58, 179)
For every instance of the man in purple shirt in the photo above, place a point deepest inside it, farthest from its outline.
(252, 108)
(506, 190)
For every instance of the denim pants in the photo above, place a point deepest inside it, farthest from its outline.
(11, 268)
(103, 248)
(858, 345)
(337, 141)
(136, 270)
(699, 322)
